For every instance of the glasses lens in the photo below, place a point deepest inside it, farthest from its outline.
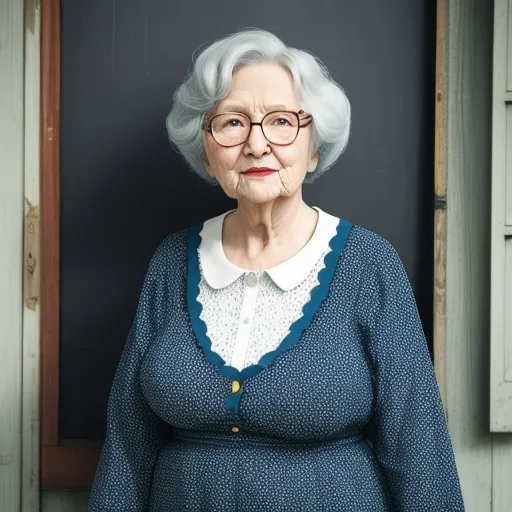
(280, 127)
(230, 129)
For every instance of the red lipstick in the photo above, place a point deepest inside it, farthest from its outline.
(259, 172)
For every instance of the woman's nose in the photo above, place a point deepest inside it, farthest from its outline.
(256, 144)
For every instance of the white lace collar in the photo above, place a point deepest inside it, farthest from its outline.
(219, 272)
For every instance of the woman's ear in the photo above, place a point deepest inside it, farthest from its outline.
(313, 162)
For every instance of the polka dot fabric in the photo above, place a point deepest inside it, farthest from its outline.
(349, 418)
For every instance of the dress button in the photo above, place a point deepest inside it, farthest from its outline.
(246, 321)
(235, 386)
(235, 429)
(251, 279)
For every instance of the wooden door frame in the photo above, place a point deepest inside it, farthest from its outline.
(72, 464)
(63, 463)
(440, 213)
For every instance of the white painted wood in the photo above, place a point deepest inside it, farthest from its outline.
(501, 289)
(501, 260)
(467, 282)
(30, 475)
(507, 19)
(65, 501)
(11, 239)
(502, 473)
(507, 330)
(508, 161)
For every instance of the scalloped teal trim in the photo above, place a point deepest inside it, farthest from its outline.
(233, 400)
(318, 294)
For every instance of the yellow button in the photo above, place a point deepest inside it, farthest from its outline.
(235, 429)
(235, 386)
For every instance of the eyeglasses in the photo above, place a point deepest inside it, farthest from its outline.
(279, 127)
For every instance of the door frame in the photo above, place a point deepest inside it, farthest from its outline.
(72, 464)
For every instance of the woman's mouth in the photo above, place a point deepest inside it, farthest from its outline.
(259, 172)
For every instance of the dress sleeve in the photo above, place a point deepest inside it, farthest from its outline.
(135, 434)
(408, 429)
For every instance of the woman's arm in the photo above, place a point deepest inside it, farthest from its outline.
(134, 433)
(409, 432)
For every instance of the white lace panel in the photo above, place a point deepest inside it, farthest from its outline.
(274, 313)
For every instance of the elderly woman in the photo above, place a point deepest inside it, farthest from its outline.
(277, 361)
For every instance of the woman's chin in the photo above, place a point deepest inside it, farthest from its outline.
(260, 193)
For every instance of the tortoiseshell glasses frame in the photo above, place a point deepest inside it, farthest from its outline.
(300, 116)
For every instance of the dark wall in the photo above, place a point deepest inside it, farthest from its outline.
(124, 188)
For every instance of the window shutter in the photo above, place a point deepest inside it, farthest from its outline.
(501, 223)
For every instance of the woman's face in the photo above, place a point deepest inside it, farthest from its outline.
(256, 90)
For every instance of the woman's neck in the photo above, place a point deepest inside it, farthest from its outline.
(260, 236)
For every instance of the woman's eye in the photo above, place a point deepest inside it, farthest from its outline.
(233, 123)
(281, 121)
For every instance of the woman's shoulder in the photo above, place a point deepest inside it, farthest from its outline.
(360, 242)
(171, 251)
(370, 248)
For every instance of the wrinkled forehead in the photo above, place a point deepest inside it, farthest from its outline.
(260, 88)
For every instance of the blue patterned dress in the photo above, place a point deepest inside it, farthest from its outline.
(344, 416)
